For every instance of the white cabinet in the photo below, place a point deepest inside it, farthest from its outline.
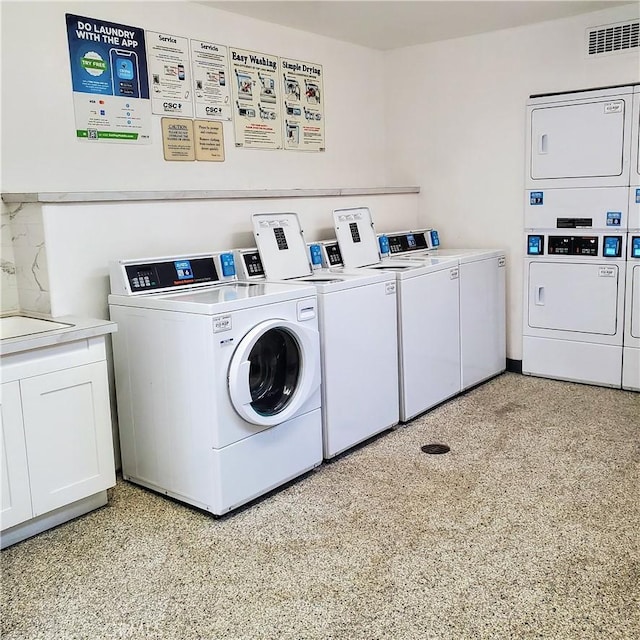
(16, 495)
(57, 447)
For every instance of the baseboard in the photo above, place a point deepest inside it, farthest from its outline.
(515, 366)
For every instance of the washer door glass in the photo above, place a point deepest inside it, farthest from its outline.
(275, 363)
(274, 371)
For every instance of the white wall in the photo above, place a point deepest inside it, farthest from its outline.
(40, 151)
(456, 126)
(82, 238)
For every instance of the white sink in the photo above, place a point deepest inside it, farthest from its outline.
(16, 326)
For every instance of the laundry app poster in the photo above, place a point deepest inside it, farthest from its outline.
(256, 104)
(303, 105)
(109, 80)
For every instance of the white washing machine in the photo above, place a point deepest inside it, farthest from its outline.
(358, 332)
(428, 314)
(218, 381)
(483, 349)
(574, 294)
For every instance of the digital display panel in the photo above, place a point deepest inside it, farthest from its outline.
(635, 247)
(171, 273)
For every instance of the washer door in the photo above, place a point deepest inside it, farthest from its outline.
(274, 371)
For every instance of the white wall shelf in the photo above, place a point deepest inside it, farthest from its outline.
(243, 194)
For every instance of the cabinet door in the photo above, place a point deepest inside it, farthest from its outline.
(67, 426)
(16, 495)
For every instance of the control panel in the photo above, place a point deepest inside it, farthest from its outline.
(408, 242)
(635, 247)
(331, 255)
(251, 264)
(585, 246)
(132, 277)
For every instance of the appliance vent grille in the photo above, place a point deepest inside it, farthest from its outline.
(613, 38)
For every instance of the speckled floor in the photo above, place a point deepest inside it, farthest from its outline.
(528, 528)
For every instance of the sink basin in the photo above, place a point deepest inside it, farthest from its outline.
(16, 326)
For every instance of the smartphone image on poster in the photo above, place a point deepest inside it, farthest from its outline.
(125, 79)
(181, 75)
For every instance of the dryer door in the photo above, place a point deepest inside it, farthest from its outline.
(274, 371)
(578, 297)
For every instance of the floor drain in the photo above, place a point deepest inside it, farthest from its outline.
(435, 448)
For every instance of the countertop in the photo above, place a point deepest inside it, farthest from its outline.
(78, 329)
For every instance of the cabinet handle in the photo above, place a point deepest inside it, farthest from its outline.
(540, 296)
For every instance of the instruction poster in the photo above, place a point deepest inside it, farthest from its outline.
(168, 59)
(256, 103)
(109, 80)
(210, 66)
(303, 100)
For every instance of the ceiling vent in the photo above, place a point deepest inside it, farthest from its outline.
(613, 38)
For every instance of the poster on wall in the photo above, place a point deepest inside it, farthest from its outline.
(170, 72)
(210, 67)
(109, 81)
(256, 104)
(303, 105)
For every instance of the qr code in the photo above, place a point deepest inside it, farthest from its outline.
(92, 134)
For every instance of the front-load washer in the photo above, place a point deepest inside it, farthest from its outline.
(482, 301)
(574, 294)
(428, 313)
(217, 381)
(358, 332)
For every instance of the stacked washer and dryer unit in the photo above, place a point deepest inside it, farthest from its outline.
(580, 314)
(218, 381)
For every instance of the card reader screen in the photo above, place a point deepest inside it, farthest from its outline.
(333, 255)
(612, 247)
(253, 264)
(535, 245)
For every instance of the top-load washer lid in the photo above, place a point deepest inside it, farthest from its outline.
(281, 244)
(356, 237)
(358, 242)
